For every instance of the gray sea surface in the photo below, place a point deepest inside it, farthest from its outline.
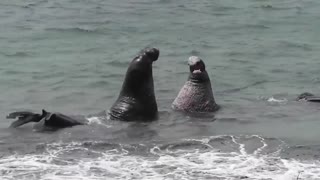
(70, 56)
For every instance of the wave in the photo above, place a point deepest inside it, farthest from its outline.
(74, 29)
(275, 8)
(18, 54)
(219, 157)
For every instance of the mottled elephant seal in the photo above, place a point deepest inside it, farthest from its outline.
(196, 95)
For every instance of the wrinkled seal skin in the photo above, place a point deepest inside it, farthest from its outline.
(196, 95)
(44, 120)
(308, 97)
(136, 101)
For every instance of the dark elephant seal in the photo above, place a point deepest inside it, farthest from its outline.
(196, 95)
(137, 100)
(308, 97)
(44, 120)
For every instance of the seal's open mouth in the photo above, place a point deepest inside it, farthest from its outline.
(196, 65)
(196, 69)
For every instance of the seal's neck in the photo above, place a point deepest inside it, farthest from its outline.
(138, 85)
(199, 78)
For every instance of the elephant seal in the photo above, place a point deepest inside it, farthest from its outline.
(196, 95)
(136, 101)
(44, 120)
(308, 97)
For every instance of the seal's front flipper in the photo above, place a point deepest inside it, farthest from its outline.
(19, 114)
(23, 118)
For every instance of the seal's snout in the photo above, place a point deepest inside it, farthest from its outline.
(152, 53)
(196, 65)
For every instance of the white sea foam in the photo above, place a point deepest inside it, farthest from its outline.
(275, 100)
(97, 120)
(160, 163)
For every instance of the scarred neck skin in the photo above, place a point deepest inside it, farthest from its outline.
(196, 95)
(202, 77)
(202, 85)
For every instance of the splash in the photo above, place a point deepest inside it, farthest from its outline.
(275, 100)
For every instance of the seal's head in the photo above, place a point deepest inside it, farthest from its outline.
(198, 71)
(143, 61)
(196, 65)
(137, 98)
(149, 53)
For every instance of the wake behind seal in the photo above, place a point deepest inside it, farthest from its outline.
(136, 101)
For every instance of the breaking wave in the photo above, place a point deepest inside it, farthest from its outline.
(220, 157)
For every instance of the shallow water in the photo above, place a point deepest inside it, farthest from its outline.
(71, 57)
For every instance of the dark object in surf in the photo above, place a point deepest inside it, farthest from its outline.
(47, 119)
(306, 96)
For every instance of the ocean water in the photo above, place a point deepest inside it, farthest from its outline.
(70, 56)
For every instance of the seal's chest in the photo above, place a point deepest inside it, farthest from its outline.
(194, 97)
